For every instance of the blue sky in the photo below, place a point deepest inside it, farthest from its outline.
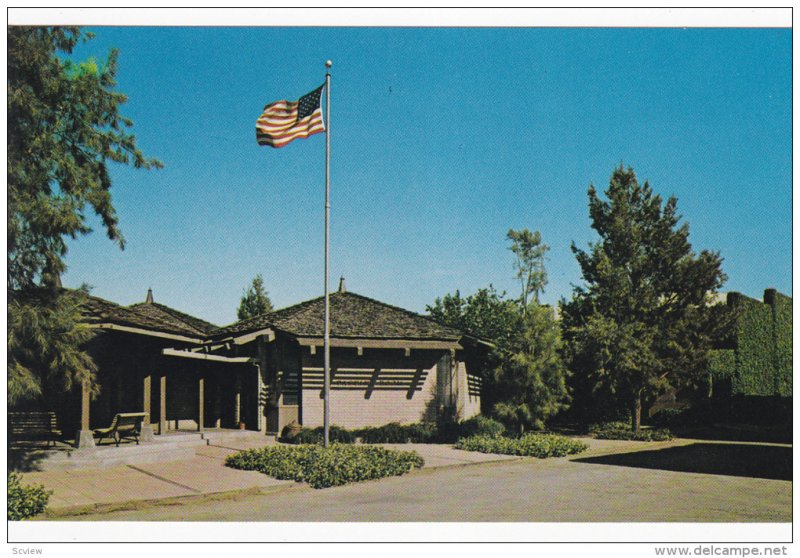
(442, 139)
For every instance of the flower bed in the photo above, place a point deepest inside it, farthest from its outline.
(534, 445)
(322, 467)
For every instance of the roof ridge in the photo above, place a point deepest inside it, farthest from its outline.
(410, 312)
(177, 314)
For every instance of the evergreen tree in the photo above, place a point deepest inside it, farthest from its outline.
(530, 384)
(524, 379)
(64, 126)
(529, 251)
(254, 301)
(641, 323)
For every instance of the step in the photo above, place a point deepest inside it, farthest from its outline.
(111, 456)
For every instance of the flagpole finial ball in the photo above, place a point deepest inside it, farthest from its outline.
(328, 63)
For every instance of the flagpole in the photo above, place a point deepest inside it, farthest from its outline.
(327, 332)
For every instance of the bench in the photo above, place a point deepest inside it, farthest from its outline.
(33, 425)
(124, 426)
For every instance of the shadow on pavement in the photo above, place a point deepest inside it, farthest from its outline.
(738, 460)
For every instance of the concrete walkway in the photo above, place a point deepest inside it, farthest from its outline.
(676, 481)
(203, 476)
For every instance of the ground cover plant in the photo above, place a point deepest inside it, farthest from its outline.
(322, 467)
(533, 445)
(25, 501)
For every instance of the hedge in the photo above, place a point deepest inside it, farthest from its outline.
(762, 337)
(317, 435)
(533, 445)
(722, 364)
(322, 467)
(396, 433)
(25, 501)
(644, 435)
(782, 310)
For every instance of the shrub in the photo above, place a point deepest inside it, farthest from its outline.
(396, 433)
(316, 435)
(25, 501)
(323, 467)
(614, 424)
(645, 435)
(534, 445)
(480, 426)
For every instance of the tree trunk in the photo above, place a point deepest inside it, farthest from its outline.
(636, 412)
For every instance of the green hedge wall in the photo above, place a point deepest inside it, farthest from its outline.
(722, 364)
(762, 358)
(755, 356)
(782, 308)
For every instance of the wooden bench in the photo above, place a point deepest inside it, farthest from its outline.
(33, 425)
(124, 426)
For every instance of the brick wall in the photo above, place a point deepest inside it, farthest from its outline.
(373, 389)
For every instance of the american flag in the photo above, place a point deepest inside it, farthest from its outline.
(284, 121)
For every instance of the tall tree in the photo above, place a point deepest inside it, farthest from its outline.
(487, 314)
(529, 264)
(642, 323)
(64, 127)
(254, 301)
(524, 375)
(531, 382)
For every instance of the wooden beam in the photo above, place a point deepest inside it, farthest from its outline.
(149, 332)
(202, 356)
(268, 335)
(381, 343)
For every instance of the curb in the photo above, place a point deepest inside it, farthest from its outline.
(130, 505)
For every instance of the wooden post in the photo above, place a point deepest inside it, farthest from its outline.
(146, 433)
(162, 405)
(84, 438)
(146, 400)
(200, 403)
(237, 412)
(85, 402)
(261, 371)
(216, 387)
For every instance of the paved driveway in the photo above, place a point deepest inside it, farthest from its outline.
(683, 484)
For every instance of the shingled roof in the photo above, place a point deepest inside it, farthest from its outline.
(352, 316)
(173, 317)
(157, 318)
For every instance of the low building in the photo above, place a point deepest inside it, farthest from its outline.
(387, 365)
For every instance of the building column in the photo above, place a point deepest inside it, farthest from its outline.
(261, 370)
(146, 434)
(200, 403)
(162, 405)
(84, 438)
(217, 387)
(237, 409)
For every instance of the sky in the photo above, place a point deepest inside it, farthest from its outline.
(441, 140)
